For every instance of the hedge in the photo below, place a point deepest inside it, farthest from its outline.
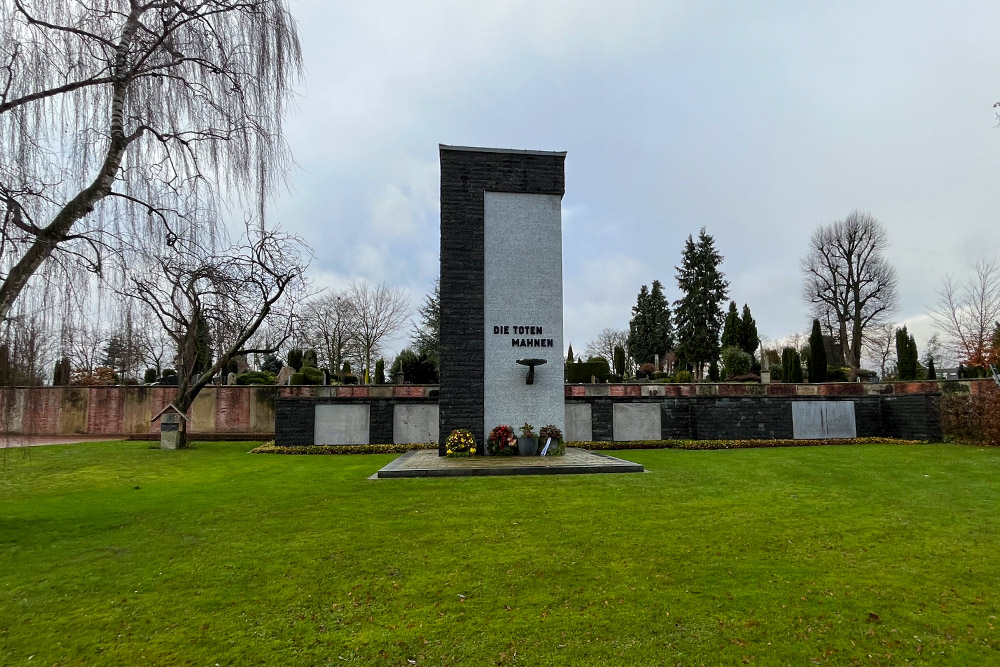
(731, 444)
(582, 372)
(271, 448)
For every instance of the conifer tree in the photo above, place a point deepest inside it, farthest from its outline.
(698, 313)
(619, 360)
(796, 367)
(791, 365)
(650, 330)
(569, 357)
(906, 355)
(817, 355)
(732, 329)
(748, 336)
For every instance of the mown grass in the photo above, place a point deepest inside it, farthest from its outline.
(876, 554)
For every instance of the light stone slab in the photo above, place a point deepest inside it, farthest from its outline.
(813, 420)
(637, 421)
(579, 423)
(522, 282)
(342, 424)
(414, 423)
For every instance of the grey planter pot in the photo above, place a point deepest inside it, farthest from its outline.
(527, 446)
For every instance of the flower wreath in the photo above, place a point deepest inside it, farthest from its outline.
(502, 441)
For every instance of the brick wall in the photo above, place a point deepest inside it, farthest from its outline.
(250, 411)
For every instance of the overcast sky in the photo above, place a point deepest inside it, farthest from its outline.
(757, 121)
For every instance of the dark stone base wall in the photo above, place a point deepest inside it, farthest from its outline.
(912, 417)
(295, 418)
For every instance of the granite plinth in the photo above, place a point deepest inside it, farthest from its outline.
(427, 463)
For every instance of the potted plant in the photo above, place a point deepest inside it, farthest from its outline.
(460, 443)
(527, 444)
(550, 436)
(502, 441)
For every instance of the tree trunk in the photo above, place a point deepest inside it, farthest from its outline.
(83, 203)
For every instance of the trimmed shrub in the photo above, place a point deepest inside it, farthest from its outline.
(837, 374)
(149, 377)
(582, 372)
(256, 378)
(310, 375)
(735, 361)
(296, 379)
(660, 375)
(684, 377)
(295, 358)
(731, 444)
(645, 371)
(349, 379)
(271, 448)
(310, 358)
(380, 371)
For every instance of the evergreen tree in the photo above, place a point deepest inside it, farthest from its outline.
(698, 313)
(791, 365)
(817, 355)
(906, 355)
(931, 373)
(749, 338)
(619, 360)
(271, 364)
(796, 367)
(569, 356)
(713, 371)
(731, 330)
(380, 371)
(650, 330)
(295, 358)
(427, 336)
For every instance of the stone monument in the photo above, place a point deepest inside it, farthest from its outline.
(501, 290)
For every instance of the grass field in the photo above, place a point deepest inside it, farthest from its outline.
(878, 554)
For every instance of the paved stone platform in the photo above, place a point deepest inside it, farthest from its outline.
(427, 463)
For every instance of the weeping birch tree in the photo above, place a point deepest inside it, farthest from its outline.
(124, 123)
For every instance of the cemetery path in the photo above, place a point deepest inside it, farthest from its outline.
(18, 440)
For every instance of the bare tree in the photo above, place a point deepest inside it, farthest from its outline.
(968, 313)
(880, 345)
(376, 312)
(234, 291)
(124, 121)
(606, 342)
(329, 327)
(848, 278)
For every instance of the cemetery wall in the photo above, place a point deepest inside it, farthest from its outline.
(686, 410)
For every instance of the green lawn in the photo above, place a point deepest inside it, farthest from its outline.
(877, 554)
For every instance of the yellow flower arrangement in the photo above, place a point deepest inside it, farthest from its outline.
(461, 443)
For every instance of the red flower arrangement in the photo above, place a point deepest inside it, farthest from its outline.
(502, 441)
